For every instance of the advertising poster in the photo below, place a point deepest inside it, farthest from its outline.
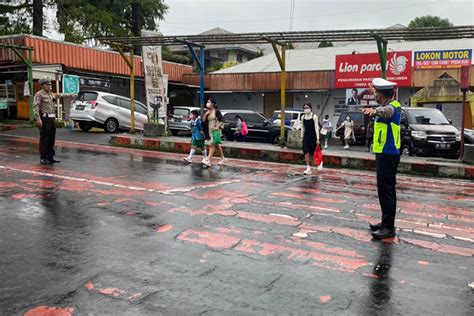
(358, 70)
(155, 90)
(360, 97)
(438, 59)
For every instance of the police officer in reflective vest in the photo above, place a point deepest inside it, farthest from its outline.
(386, 146)
(44, 111)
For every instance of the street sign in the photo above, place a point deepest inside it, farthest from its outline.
(3, 105)
(70, 84)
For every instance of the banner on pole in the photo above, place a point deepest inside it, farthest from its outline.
(154, 83)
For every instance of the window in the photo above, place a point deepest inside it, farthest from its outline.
(140, 109)
(124, 103)
(229, 117)
(87, 96)
(181, 112)
(110, 99)
(340, 105)
(223, 56)
(254, 118)
(239, 57)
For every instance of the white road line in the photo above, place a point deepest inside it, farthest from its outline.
(120, 186)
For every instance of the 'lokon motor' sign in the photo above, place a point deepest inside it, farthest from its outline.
(358, 70)
(436, 59)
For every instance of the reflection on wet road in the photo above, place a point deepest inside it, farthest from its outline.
(124, 232)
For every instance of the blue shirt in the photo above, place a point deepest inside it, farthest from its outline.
(196, 129)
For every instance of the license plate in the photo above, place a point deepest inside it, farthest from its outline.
(79, 107)
(443, 146)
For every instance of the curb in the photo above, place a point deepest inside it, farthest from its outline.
(424, 168)
(11, 127)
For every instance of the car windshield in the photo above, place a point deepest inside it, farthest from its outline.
(427, 117)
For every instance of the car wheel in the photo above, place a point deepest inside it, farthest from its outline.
(174, 132)
(84, 126)
(276, 140)
(111, 125)
(406, 150)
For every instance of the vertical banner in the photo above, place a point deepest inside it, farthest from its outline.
(154, 89)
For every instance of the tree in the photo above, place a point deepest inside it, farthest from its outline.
(168, 55)
(325, 44)
(81, 20)
(429, 21)
(22, 16)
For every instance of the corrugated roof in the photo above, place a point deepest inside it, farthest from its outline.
(320, 59)
(48, 51)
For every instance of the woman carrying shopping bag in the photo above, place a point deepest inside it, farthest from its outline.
(215, 121)
(310, 135)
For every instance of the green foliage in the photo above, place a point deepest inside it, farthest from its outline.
(220, 66)
(325, 44)
(15, 17)
(176, 58)
(259, 54)
(230, 63)
(81, 20)
(429, 21)
(215, 67)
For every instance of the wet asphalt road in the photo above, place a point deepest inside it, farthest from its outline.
(112, 231)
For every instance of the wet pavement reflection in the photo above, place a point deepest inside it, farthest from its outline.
(125, 232)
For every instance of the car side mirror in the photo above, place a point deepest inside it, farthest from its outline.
(266, 123)
(450, 122)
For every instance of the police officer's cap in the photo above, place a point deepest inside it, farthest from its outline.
(382, 84)
(45, 80)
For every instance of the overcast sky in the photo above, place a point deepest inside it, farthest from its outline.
(194, 16)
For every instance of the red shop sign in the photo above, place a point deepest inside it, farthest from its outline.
(358, 70)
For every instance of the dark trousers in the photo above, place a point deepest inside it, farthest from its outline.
(386, 181)
(47, 138)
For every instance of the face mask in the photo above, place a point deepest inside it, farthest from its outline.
(208, 106)
(307, 111)
(348, 118)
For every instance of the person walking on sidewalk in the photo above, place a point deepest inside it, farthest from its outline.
(197, 137)
(215, 121)
(309, 134)
(44, 111)
(348, 125)
(386, 146)
(326, 130)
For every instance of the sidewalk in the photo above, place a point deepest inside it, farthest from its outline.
(333, 158)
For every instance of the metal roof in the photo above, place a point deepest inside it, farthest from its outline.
(301, 37)
(320, 59)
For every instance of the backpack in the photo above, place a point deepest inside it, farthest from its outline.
(245, 130)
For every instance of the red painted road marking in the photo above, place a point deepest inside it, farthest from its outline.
(212, 240)
(325, 298)
(50, 311)
(163, 229)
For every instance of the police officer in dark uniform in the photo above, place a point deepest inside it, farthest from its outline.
(44, 111)
(386, 146)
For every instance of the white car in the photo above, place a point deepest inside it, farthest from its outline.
(105, 110)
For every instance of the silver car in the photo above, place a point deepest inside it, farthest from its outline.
(180, 119)
(105, 110)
